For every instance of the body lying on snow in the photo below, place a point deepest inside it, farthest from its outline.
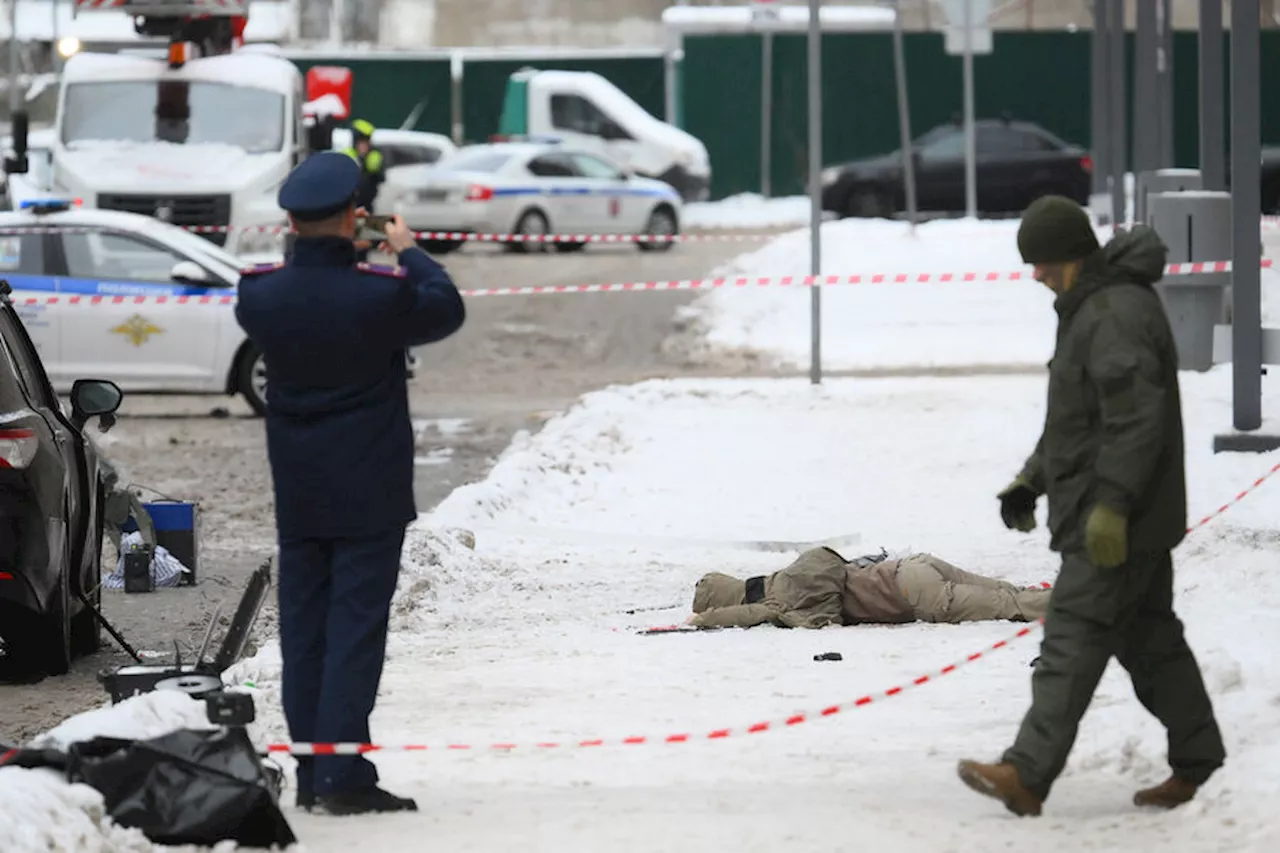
(823, 588)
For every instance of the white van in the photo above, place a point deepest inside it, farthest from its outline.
(585, 109)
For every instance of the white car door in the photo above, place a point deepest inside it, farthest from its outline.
(566, 194)
(24, 263)
(615, 210)
(127, 320)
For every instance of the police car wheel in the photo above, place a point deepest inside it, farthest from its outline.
(662, 223)
(251, 379)
(533, 223)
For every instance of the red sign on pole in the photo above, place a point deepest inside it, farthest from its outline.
(330, 80)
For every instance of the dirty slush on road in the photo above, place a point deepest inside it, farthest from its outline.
(517, 362)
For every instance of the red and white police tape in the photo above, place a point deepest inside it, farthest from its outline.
(716, 734)
(637, 286)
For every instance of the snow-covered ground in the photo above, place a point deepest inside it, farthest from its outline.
(625, 500)
(748, 210)
(927, 324)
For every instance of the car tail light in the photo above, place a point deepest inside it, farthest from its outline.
(1086, 163)
(17, 447)
(476, 192)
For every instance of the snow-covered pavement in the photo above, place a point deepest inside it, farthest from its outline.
(626, 499)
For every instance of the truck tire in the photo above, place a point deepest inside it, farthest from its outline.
(532, 222)
(251, 378)
(868, 204)
(661, 222)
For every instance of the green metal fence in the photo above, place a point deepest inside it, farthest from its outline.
(1039, 77)
(386, 90)
(1035, 76)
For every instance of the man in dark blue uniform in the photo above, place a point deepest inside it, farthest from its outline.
(334, 334)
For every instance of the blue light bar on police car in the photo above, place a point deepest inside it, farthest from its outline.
(48, 205)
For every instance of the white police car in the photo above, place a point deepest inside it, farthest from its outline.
(128, 298)
(533, 188)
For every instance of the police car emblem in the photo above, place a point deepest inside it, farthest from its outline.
(137, 329)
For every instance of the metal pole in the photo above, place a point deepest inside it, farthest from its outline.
(1099, 92)
(337, 21)
(669, 83)
(904, 115)
(57, 57)
(1119, 109)
(1246, 207)
(456, 70)
(1165, 68)
(970, 140)
(815, 186)
(1213, 155)
(13, 58)
(766, 114)
(1146, 91)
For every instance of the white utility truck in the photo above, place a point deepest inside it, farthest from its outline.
(585, 109)
(200, 139)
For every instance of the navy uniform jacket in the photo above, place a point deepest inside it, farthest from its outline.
(334, 335)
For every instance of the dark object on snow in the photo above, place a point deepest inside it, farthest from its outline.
(829, 656)
(230, 709)
(186, 787)
(137, 568)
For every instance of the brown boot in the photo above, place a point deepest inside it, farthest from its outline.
(1169, 794)
(1000, 782)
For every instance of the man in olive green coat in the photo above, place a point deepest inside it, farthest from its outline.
(823, 588)
(1110, 461)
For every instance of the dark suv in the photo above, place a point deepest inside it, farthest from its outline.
(51, 505)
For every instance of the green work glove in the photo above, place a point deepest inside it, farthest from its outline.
(1106, 537)
(1018, 506)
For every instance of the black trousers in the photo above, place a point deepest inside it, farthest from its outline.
(335, 602)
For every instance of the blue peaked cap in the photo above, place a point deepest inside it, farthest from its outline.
(321, 186)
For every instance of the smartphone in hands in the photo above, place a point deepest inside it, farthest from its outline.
(372, 228)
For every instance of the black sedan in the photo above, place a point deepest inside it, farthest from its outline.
(1016, 163)
(1271, 180)
(51, 505)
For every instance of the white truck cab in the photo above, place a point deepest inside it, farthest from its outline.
(585, 109)
(201, 142)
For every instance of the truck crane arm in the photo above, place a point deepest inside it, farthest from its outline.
(212, 25)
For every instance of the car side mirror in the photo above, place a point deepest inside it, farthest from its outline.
(189, 272)
(95, 398)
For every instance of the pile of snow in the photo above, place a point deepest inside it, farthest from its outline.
(918, 324)
(624, 501)
(748, 210)
(521, 635)
(43, 814)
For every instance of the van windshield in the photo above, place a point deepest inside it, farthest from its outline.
(181, 112)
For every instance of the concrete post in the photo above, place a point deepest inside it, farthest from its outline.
(1196, 226)
(1162, 181)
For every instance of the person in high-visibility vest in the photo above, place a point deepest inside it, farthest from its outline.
(370, 160)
